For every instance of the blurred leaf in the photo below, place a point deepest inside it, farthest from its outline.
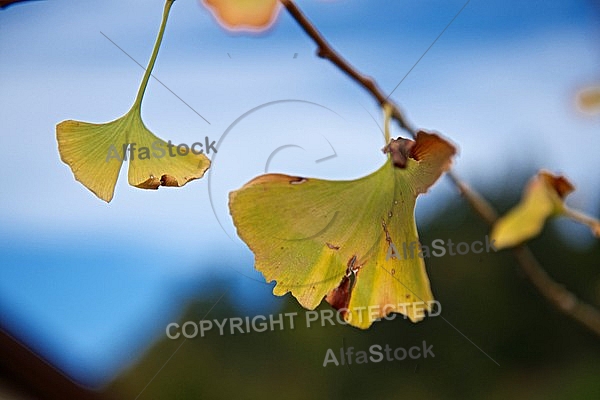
(95, 152)
(244, 14)
(589, 100)
(332, 239)
(543, 198)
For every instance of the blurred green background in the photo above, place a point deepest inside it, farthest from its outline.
(542, 353)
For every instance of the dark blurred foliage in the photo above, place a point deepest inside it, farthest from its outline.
(542, 353)
(6, 3)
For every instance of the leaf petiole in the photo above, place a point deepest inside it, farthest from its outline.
(138, 99)
(584, 219)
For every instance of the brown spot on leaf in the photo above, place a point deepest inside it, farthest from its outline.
(268, 178)
(339, 298)
(154, 183)
(168, 180)
(296, 180)
(388, 238)
(332, 247)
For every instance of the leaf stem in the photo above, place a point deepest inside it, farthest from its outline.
(387, 111)
(556, 294)
(584, 219)
(138, 99)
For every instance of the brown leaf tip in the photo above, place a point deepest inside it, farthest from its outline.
(425, 145)
(559, 183)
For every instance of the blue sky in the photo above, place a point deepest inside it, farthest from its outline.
(90, 284)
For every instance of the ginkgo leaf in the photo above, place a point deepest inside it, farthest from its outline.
(95, 152)
(333, 239)
(543, 198)
(244, 14)
(589, 100)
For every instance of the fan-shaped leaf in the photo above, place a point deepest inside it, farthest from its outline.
(333, 239)
(95, 152)
(543, 198)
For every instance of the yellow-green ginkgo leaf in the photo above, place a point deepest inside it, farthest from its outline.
(95, 152)
(343, 240)
(589, 100)
(543, 198)
(244, 14)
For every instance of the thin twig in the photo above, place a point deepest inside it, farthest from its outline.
(477, 201)
(326, 51)
(584, 219)
(556, 294)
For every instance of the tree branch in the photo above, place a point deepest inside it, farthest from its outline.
(556, 294)
(326, 51)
